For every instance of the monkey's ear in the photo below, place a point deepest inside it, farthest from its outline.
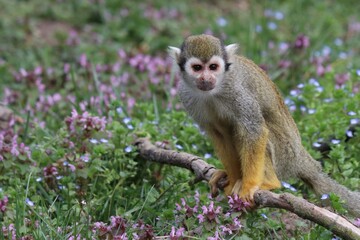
(231, 49)
(174, 53)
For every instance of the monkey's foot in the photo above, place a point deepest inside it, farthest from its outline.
(214, 182)
(245, 192)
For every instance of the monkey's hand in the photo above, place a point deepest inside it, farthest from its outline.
(214, 182)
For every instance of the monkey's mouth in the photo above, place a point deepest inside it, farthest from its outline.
(205, 86)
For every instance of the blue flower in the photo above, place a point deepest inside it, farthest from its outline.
(29, 202)
(324, 196)
(128, 149)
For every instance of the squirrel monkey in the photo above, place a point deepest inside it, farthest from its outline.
(253, 132)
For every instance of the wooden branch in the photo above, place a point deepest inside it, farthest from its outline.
(203, 171)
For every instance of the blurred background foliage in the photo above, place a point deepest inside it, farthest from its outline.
(84, 78)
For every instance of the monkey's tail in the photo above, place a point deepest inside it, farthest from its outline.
(322, 184)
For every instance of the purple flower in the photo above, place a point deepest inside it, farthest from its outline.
(120, 237)
(216, 237)
(122, 54)
(66, 68)
(237, 223)
(131, 103)
(84, 124)
(230, 228)
(50, 171)
(118, 223)
(357, 222)
(72, 167)
(237, 204)
(302, 42)
(144, 231)
(340, 79)
(14, 151)
(209, 213)
(100, 227)
(176, 234)
(184, 207)
(83, 60)
(3, 204)
(73, 38)
(201, 218)
(321, 70)
(354, 27)
(284, 64)
(197, 197)
(225, 230)
(9, 231)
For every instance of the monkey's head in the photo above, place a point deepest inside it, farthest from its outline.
(203, 61)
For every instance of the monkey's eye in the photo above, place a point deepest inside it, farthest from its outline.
(213, 67)
(196, 67)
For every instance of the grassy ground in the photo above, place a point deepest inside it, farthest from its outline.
(84, 78)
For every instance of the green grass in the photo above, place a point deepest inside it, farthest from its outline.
(60, 59)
